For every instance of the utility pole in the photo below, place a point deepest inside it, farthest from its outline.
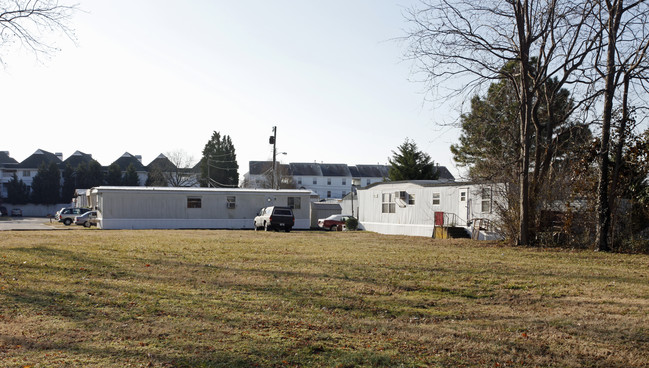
(273, 141)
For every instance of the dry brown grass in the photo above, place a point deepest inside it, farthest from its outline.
(243, 298)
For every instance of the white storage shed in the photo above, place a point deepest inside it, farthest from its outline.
(411, 207)
(192, 208)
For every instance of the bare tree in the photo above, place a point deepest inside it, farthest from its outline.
(173, 169)
(182, 175)
(281, 175)
(27, 22)
(466, 44)
(622, 60)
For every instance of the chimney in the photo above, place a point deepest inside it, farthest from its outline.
(139, 158)
(59, 155)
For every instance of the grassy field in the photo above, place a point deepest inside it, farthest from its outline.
(95, 298)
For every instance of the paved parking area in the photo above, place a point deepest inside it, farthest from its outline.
(26, 223)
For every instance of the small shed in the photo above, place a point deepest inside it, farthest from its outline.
(323, 210)
(415, 207)
(192, 208)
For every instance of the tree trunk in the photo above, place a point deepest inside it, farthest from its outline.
(615, 178)
(525, 96)
(603, 208)
(524, 159)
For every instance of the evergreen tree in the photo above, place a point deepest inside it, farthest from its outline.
(88, 176)
(17, 191)
(81, 176)
(67, 192)
(156, 177)
(131, 178)
(489, 147)
(46, 185)
(114, 176)
(409, 163)
(95, 175)
(219, 166)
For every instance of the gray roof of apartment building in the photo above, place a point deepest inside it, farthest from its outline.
(335, 170)
(77, 158)
(265, 167)
(6, 159)
(127, 159)
(372, 171)
(37, 158)
(162, 162)
(305, 169)
(444, 173)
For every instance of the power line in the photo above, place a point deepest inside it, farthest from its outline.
(212, 181)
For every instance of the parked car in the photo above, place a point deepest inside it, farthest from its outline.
(16, 212)
(87, 219)
(332, 222)
(67, 215)
(3, 211)
(275, 218)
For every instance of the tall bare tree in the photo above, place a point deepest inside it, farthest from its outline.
(622, 61)
(28, 23)
(462, 45)
(181, 175)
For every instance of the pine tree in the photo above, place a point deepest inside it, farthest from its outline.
(114, 176)
(67, 192)
(131, 178)
(409, 163)
(95, 174)
(46, 185)
(219, 166)
(88, 176)
(17, 191)
(156, 177)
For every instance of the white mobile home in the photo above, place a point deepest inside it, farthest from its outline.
(414, 207)
(192, 208)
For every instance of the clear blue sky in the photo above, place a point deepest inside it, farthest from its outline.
(150, 77)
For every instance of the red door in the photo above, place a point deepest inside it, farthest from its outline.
(439, 218)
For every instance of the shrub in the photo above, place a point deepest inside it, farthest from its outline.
(351, 223)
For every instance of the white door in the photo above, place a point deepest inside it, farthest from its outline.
(463, 208)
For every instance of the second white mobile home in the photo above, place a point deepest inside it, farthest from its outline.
(414, 207)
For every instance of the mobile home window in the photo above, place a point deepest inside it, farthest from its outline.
(486, 200)
(388, 205)
(194, 202)
(231, 202)
(437, 199)
(295, 202)
(411, 199)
